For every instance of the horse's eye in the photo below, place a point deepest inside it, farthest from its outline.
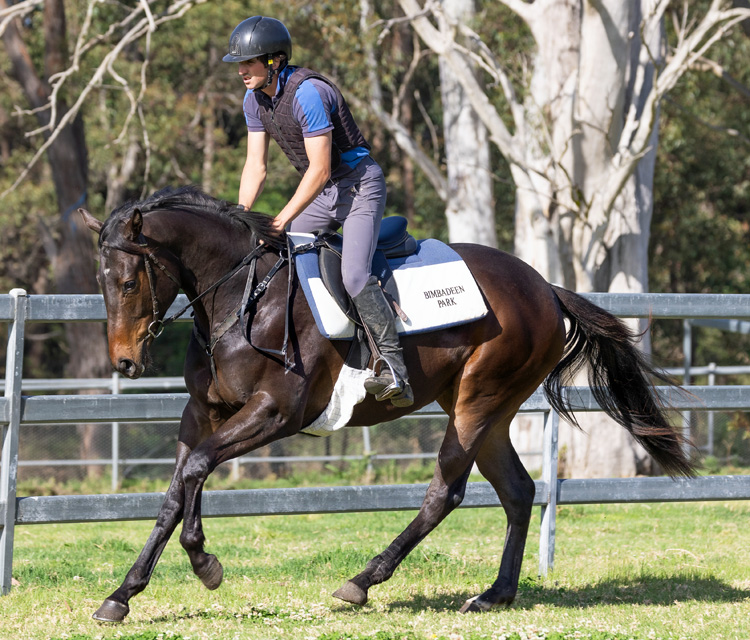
(128, 286)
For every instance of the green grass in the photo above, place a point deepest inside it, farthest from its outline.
(635, 571)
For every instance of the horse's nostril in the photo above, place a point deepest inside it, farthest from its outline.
(126, 367)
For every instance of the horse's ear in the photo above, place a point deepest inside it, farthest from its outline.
(91, 222)
(134, 226)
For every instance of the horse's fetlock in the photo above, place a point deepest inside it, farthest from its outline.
(379, 569)
(381, 574)
(191, 541)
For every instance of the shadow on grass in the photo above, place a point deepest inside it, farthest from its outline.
(642, 590)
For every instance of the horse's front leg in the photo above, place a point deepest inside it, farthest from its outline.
(254, 426)
(194, 427)
(115, 607)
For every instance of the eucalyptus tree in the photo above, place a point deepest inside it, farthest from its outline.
(574, 112)
(58, 56)
(579, 131)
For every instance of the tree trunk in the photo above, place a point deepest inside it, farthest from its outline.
(73, 260)
(543, 203)
(562, 226)
(582, 146)
(469, 206)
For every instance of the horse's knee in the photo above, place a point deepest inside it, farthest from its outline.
(169, 514)
(196, 469)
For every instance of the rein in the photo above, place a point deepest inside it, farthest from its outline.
(250, 296)
(149, 258)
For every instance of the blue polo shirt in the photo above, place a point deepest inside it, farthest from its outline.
(313, 104)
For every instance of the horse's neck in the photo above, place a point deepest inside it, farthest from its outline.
(207, 246)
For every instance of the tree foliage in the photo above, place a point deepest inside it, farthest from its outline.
(187, 127)
(701, 222)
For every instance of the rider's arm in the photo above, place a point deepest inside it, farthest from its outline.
(254, 173)
(318, 150)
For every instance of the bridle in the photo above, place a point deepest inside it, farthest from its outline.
(250, 295)
(157, 325)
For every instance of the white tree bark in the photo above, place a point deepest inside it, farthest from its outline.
(469, 206)
(465, 184)
(582, 149)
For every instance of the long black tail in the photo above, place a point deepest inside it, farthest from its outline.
(619, 377)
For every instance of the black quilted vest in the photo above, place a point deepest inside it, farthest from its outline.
(280, 124)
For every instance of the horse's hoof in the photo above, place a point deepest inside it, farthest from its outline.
(350, 592)
(212, 574)
(111, 611)
(475, 605)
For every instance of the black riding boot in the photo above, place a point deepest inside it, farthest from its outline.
(392, 383)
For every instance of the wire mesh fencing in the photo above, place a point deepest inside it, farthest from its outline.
(403, 450)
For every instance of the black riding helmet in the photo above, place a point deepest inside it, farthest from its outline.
(258, 36)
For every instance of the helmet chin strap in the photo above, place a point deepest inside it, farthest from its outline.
(271, 71)
(269, 67)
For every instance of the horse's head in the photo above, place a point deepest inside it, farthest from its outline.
(138, 287)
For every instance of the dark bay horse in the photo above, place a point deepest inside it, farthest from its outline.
(245, 397)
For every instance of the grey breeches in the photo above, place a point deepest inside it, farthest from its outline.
(357, 203)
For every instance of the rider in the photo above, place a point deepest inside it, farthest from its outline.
(341, 184)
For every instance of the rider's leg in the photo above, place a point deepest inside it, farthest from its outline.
(393, 381)
(357, 202)
(361, 227)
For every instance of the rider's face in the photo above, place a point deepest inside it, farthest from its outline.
(253, 72)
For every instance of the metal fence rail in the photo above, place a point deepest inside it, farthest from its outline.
(17, 410)
(115, 384)
(264, 502)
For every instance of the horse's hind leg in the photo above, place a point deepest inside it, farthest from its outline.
(499, 463)
(445, 493)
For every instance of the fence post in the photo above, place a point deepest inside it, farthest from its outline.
(687, 348)
(10, 432)
(711, 383)
(367, 450)
(549, 477)
(115, 438)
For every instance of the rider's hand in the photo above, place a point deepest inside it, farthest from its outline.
(278, 225)
(277, 228)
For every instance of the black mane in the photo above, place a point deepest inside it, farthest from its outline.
(193, 199)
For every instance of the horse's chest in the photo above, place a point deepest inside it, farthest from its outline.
(215, 418)
(222, 400)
